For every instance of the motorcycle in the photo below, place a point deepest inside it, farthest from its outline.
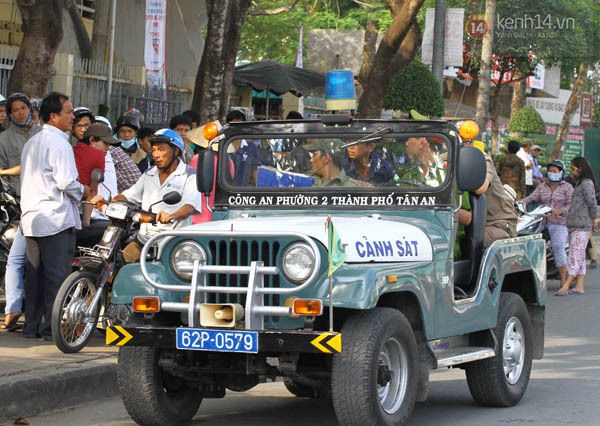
(10, 216)
(532, 222)
(85, 293)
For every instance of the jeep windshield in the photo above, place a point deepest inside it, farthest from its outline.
(310, 158)
(303, 162)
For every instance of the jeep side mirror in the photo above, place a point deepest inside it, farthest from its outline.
(471, 169)
(205, 171)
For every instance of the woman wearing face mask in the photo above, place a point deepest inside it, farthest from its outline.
(127, 126)
(556, 194)
(581, 222)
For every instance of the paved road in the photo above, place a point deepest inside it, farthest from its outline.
(564, 388)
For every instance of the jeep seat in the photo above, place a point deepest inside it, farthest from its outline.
(466, 269)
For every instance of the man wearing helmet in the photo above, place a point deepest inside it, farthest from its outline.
(169, 174)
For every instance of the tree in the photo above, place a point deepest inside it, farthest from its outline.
(483, 94)
(572, 104)
(590, 10)
(525, 38)
(42, 33)
(214, 78)
(415, 87)
(527, 121)
(397, 48)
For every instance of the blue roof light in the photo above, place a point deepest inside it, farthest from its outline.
(339, 90)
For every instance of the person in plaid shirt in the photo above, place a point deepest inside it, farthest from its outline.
(128, 172)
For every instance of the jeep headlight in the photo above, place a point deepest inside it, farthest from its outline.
(298, 262)
(183, 257)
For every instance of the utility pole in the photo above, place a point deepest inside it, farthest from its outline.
(485, 77)
(439, 39)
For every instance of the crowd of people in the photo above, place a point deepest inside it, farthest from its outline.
(573, 201)
(53, 162)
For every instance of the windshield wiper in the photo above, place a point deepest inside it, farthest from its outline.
(375, 136)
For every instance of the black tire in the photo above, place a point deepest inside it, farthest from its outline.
(501, 381)
(379, 346)
(151, 396)
(71, 329)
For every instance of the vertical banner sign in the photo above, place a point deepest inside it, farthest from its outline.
(155, 46)
(453, 45)
(300, 65)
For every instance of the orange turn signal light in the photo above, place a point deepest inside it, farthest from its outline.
(211, 130)
(307, 307)
(146, 304)
(468, 130)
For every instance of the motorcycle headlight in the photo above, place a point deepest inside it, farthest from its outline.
(298, 262)
(183, 257)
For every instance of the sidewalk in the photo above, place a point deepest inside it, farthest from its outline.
(36, 377)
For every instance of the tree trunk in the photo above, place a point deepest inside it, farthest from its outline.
(83, 40)
(236, 15)
(494, 113)
(209, 79)
(485, 78)
(100, 31)
(214, 81)
(518, 95)
(42, 34)
(369, 51)
(381, 72)
(572, 104)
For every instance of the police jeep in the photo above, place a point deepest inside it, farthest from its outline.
(352, 293)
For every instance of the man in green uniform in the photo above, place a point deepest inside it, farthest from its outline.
(326, 163)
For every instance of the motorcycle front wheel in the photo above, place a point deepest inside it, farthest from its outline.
(72, 324)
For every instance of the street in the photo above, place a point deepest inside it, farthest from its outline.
(564, 386)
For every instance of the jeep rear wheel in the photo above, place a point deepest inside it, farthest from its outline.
(374, 378)
(151, 395)
(501, 381)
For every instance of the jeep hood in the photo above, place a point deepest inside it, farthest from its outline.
(365, 239)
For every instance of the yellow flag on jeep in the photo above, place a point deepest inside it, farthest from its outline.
(337, 254)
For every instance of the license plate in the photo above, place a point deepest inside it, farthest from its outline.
(199, 339)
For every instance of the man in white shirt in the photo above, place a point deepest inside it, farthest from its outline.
(50, 214)
(525, 155)
(169, 174)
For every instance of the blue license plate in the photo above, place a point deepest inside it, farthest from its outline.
(199, 339)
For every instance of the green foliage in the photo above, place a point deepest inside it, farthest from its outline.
(415, 87)
(526, 121)
(276, 36)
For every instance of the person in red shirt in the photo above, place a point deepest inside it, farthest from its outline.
(87, 158)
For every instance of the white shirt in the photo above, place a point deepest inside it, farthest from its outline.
(527, 159)
(108, 188)
(148, 190)
(49, 187)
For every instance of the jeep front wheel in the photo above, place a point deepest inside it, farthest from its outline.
(151, 396)
(501, 381)
(374, 378)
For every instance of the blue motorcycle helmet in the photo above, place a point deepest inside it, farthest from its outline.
(168, 136)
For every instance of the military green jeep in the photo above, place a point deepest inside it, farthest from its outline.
(329, 264)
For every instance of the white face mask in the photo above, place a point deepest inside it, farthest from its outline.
(128, 143)
(555, 177)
